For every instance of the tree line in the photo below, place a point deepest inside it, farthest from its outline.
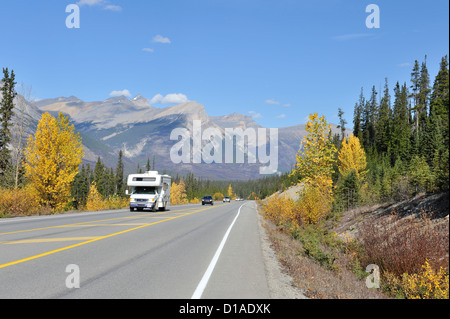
(406, 136)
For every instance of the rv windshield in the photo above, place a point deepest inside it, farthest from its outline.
(147, 190)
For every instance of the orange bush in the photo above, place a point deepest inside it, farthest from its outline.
(20, 202)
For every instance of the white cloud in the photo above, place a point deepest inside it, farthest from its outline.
(287, 105)
(281, 116)
(148, 50)
(254, 114)
(272, 102)
(112, 7)
(120, 93)
(160, 39)
(402, 65)
(90, 2)
(104, 3)
(173, 98)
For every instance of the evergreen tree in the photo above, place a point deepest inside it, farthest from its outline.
(423, 95)
(439, 100)
(383, 124)
(401, 131)
(415, 85)
(119, 178)
(99, 176)
(342, 123)
(369, 121)
(80, 187)
(357, 116)
(348, 191)
(6, 112)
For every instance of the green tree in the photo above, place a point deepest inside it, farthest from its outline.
(420, 174)
(6, 112)
(80, 187)
(357, 116)
(369, 121)
(342, 123)
(100, 177)
(401, 129)
(383, 124)
(415, 85)
(119, 178)
(423, 95)
(439, 100)
(348, 191)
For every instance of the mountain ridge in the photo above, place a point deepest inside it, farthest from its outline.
(143, 132)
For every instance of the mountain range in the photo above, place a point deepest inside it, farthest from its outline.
(143, 132)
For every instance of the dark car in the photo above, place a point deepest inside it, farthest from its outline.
(207, 199)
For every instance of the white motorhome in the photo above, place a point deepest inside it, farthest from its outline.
(149, 190)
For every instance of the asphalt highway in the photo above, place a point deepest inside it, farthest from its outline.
(188, 251)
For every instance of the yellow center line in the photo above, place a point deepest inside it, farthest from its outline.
(96, 239)
(97, 225)
(84, 223)
(45, 240)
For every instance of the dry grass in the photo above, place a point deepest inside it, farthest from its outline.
(402, 245)
(313, 279)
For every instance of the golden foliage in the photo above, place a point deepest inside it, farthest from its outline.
(313, 205)
(281, 210)
(94, 201)
(194, 201)
(352, 157)
(429, 284)
(315, 201)
(230, 191)
(52, 157)
(315, 165)
(318, 153)
(178, 193)
(218, 196)
(19, 202)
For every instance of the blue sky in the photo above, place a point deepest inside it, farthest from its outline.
(275, 60)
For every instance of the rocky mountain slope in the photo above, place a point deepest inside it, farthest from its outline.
(143, 132)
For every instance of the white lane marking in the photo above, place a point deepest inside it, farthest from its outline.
(202, 284)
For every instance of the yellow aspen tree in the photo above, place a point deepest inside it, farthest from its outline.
(316, 157)
(315, 166)
(52, 157)
(182, 190)
(230, 191)
(174, 194)
(94, 201)
(178, 193)
(352, 157)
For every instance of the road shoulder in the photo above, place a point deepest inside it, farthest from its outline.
(280, 283)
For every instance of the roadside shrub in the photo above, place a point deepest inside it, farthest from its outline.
(218, 196)
(429, 284)
(116, 202)
(315, 203)
(96, 202)
(282, 210)
(20, 202)
(194, 201)
(403, 245)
